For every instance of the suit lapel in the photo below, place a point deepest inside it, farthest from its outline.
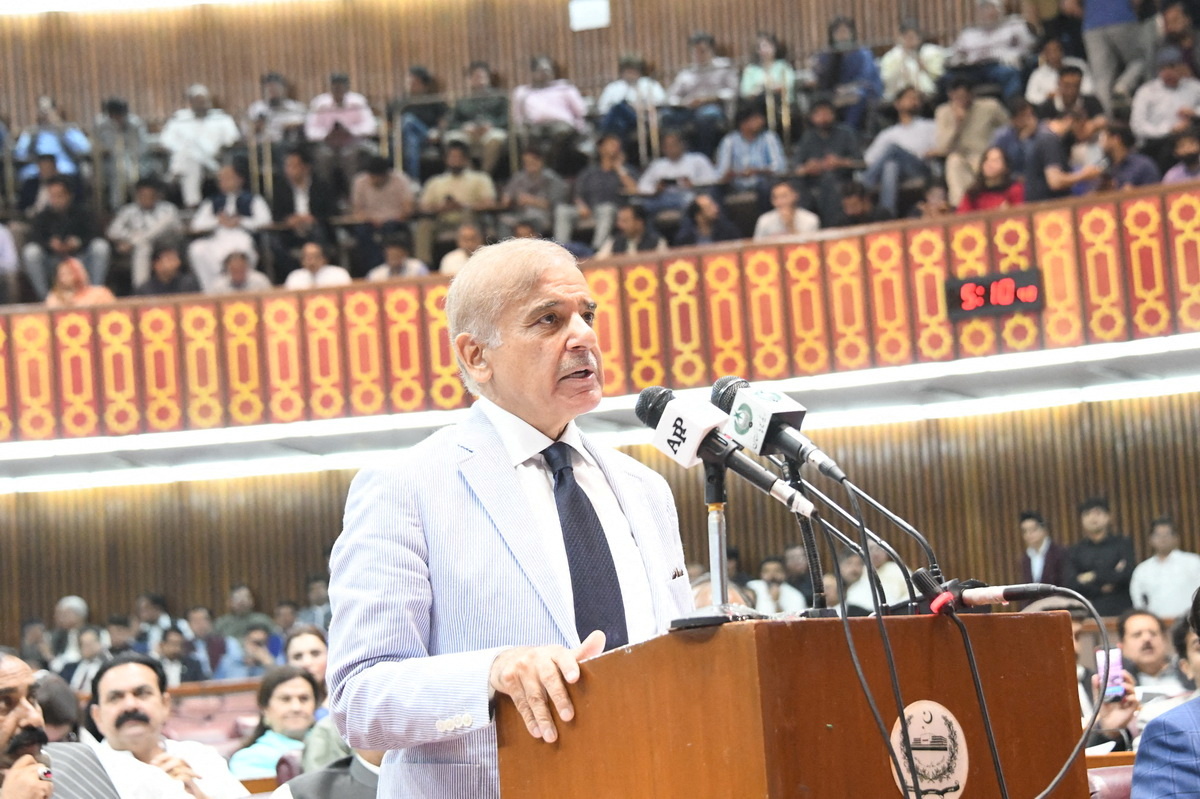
(485, 465)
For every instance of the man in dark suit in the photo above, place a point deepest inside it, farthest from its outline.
(1100, 564)
(207, 645)
(74, 771)
(179, 666)
(303, 204)
(1043, 560)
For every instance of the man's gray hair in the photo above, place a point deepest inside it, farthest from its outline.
(75, 603)
(488, 283)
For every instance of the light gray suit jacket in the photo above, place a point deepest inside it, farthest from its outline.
(434, 574)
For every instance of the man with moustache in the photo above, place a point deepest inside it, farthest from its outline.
(73, 771)
(498, 553)
(130, 706)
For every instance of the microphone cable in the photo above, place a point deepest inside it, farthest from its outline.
(902, 525)
(983, 708)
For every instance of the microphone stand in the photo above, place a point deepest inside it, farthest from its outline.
(720, 610)
(904, 526)
(820, 608)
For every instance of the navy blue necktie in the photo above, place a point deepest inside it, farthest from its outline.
(598, 603)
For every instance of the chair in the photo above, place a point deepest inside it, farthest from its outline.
(1112, 782)
(288, 767)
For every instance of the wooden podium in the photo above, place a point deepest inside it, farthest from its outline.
(773, 709)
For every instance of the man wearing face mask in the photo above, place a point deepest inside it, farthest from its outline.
(1187, 158)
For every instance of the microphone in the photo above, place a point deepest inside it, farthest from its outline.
(689, 432)
(955, 594)
(764, 421)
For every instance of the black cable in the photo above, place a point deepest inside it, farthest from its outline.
(858, 670)
(1087, 729)
(809, 537)
(888, 655)
(983, 708)
(907, 528)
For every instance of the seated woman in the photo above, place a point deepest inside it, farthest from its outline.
(287, 700)
(73, 287)
(995, 186)
(306, 649)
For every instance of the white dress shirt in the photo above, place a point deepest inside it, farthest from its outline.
(524, 445)
(137, 780)
(199, 140)
(328, 275)
(790, 599)
(1037, 559)
(1156, 107)
(644, 90)
(1164, 586)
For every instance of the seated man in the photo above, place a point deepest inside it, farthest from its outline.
(397, 260)
(621, 100)
(751, 157)
(992, 51)
(599, 189)
(276, 117)
(705, 223)
(1143, 644)
(304, 204)
(315, 270)
(1187, 158)
(177, 664)
(846, 72)
(248, 657)
(1070, 98)
(966, 125)
(382, 201)
(230, 218)
(551, 111)
(912, 63)
(51, 136)
(670, 182)
(63, 229)
(480, 118)
(142, 224)
(1047, 174)
(338, 125)
(238, 275)
(772, 591)
(787, 218)
(858, 207)
(420, 115)
(897, 154)
(634, 234)
(531, 194)
(33, 194)
(123, 143)
(1044, 84)
(1127, 167)
(699, 92)
(130, 707)
(1164, 106)
(92, 655)
(196, 137)
(824, 160)
(167, 275)
(468, 239)
(453, 197)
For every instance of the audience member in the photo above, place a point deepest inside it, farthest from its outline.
(242, 614)
(531, 194)
(316, 613)
(769, 72)
(1099, 565)
(1071, 99)
(303, 204)
(177, 664)
(995, 187)
(1044, 560)
(1014, 137)
(1044, 83)
(92, 655)
(1165, 106)
(352, 777)
(238, 275)
(670, 181)
(1187, 652)
(635, 233)
(230, 218)
(64, 231)
(167, 275)
(599, 189)
(34, 193)
(751, 157)
(338, 124)
(153, 619)
(121, 637)
(421, 116)
(276, 117)
(196, 137)
(911, 63)
(142, 224)
(733, 567)
(858, 207)
(786, 218)
(287, 700)
(772, 591)
(897, 154)
(71, 288)
(306, 647)
(397, 259)
(799, 574)
(52, 135)
(1175, 28)
(35, 644)
(480, 118)
(285, 618)
(858, 591)
(70, 616)
(825, 159)
(1143, 641)
(965, 127)
(1187, 157)
(935, 203)
(123, 144)
(1127, 168)
(60, 708)
(550, 111)
(130, 706)
(1163, 583)
(699, 93)
(208, 646)
(1047, 173)
(381, 200)
(453, 197)
(705, 223)
(633, 92)
(1113, 38)
(249, 656)
(993, 50)
(847, 73)
(315, 271)
(10, 263)
(891, 577)
(468, 239)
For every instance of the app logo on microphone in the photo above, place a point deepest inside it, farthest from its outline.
(743, 419)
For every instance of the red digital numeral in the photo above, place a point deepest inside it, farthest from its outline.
(972, 296)
(1004, 291)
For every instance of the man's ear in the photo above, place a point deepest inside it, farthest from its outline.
(472, 355)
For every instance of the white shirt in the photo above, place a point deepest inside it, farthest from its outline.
(205, 220)
(137, 225)
(8, 252)
(859, 593)
(300, 199)
(453, 261)
(284, 792)
(524, 445)
(645, 90)
(137, 780)
(198, 140)
(1164, 586)
(1043, 81)
(328, 275)
(918, 137)
(771, 225)
(1156, 107)
(694, 166)
(895, 587)
(412, 268)
(790, 599)
(1037, 559)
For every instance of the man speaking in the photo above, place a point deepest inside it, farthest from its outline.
(498, 553)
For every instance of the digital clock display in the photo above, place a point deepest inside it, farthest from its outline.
(994, 295)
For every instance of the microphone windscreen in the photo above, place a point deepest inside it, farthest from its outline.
(651, 403)
(724, 391)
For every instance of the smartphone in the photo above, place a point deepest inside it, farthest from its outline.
(1114, 690)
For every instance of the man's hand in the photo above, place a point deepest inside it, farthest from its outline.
(1086, 577)
(178, 769)
(534, 678)
(1115, 716)
(23, 781)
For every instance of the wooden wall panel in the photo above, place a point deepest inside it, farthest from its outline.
(151, 56)
(961, 481)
